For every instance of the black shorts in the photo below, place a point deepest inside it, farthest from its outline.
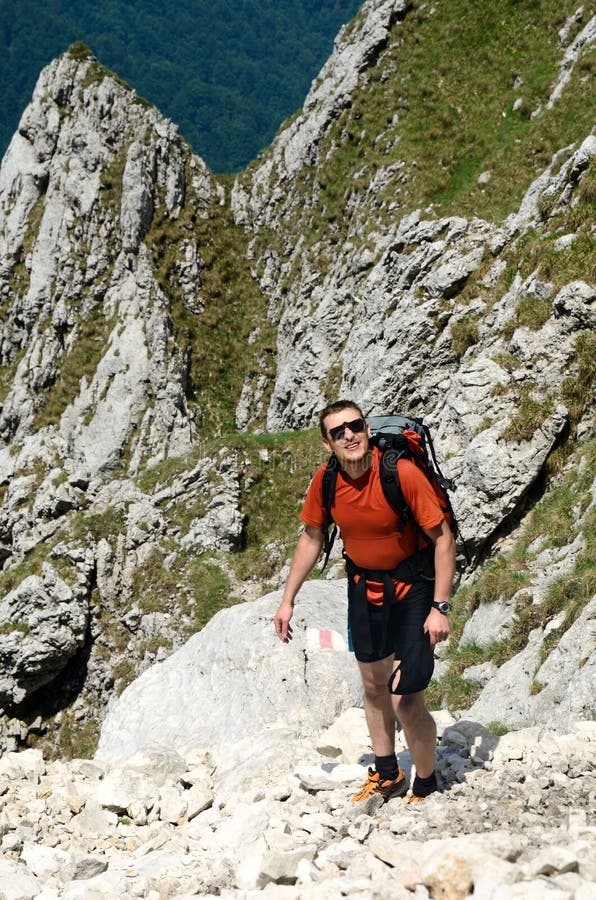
(404, 638)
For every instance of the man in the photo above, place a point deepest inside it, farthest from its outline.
(392, 642)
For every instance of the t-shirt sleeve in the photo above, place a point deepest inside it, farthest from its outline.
(313, 512)
(419, 495)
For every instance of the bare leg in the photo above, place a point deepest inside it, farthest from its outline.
(378, 706)
(420, 731)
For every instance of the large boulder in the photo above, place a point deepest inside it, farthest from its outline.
(238, 692)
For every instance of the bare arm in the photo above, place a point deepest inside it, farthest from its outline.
(306, 554)
(437, 624)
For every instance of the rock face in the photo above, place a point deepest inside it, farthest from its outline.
(93, 183)
(404, 311)
(85, 275)
(566, 679)
(46, 622)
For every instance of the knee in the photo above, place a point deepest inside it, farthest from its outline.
(411, 709)
(375, 684)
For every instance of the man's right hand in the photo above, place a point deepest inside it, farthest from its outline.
(283, 629)
(305, 556)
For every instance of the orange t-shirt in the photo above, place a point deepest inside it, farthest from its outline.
(369, 527)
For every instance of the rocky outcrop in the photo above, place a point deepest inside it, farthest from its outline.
(43, 622)
(527, 688)
(89, 172)
(93, 183)
(421, 317)
(355, 50)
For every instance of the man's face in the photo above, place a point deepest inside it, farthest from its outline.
(347, 435)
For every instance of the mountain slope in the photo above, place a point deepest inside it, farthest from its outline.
(161, 327)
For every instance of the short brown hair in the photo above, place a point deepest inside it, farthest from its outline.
(338, 406)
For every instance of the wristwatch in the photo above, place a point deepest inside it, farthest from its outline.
(443, 606)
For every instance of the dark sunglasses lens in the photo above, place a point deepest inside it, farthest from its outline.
(356, 426)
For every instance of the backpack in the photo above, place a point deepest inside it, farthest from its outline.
(397, 437)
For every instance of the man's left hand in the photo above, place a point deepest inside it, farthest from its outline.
(436, 626)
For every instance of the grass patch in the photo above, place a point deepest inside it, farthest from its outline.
(497, 728)
(430, 128)
(31, 564)
(531, 413)
(78, 739)
(484, 425)
(577, 391)
(79, 51)
(95, 526)
(507, 361)
(458, 693)
(464, 334)
(273, 501)
(81, 361)
(193, 584)
(533, 313)
(555, 517)
(277, 468)
(9, 627)
(232, 340)
(499, 579)
(111, 181)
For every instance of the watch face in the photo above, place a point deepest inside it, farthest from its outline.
(443, 607)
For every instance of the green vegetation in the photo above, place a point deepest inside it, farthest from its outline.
(530, 414)
(228, 341)
(498, 729)
(554, 522)
(532, 313)
(431, 127)
(197, 586)
(228, 74)
(9, 627)
(79, 362)
(464, 334)
(31, 565)
(272, 505)
(577, 389)
(78, 739)
(277, 468)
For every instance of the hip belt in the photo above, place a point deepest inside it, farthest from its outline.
(418, 567)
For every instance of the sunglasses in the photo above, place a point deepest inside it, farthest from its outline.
(356, 426)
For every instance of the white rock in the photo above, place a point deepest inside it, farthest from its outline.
(330, 775)
(17, 882)
(347, 738)
(279, 697)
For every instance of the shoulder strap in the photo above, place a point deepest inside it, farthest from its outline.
(390, 482)
(329, 482)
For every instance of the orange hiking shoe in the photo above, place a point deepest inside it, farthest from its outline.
(414, 798)
(387, 788)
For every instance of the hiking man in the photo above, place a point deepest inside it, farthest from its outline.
(391, 632)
